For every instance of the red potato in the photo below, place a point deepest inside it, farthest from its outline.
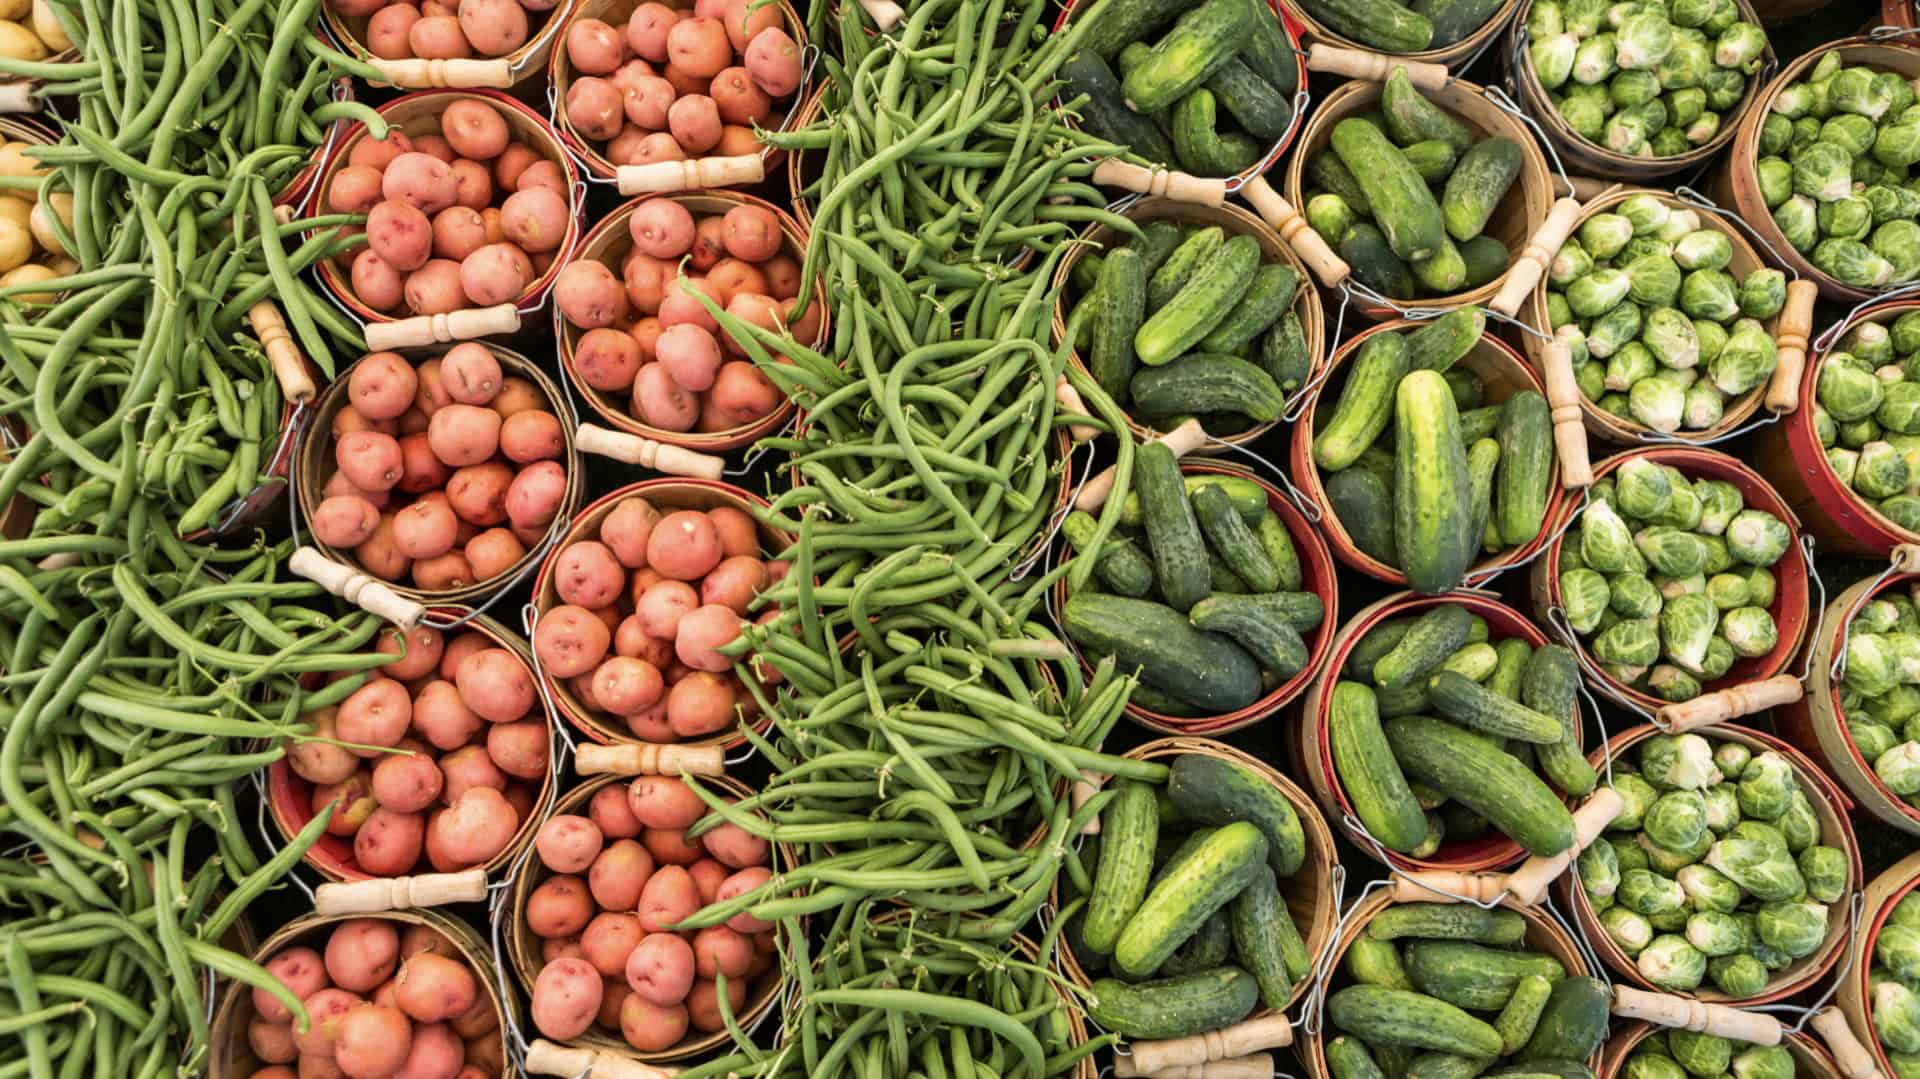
(625, 78)
(684, 81)
(664, 803)
(383, 384)
(624, 148)
(670, 846)
(735, 847)
(554, 949)
(435, 288)
(370, 460)
(647, 30)
(271, 1042)
(690, 355)
(419, 179)
(645, 278)
(474, 829)
(699, 704)
(389, 843)
(494, 27)
(411, 422)
(694, 121)
(518, 395)
(630, 639)
(586, 574)
(387, 31)
(432, 395)
(613, 994)
(470, 374)
(543, 174)
(699, 47)
(535, 495)
(344, 521)
(377, 154)
(495, 274)
(752, 232)
(472, 186)
(594, 47)
(740, 883)
(566, 997)
(478, 493)
(425, 938)
(607, 360)
(469, 768)
(701, 633)
(660, 969)
(739, 537)
(662, 606)
(738, 100)
(378, 556)
(408, 783)
(608, 808)
(559, 907)
(588, 295)
(443, 572)
(624, 686)
(744, 20)
(421, 471)
(737, 141)
(355, 188)
(568, 843)
(436, 1052)
(658, 146)
(377, 284)
(318, 760)
(400, 234)
(464, 435)
(608, 939)
(661, 228)
(648, 103)
(435, 144)
(668, 897)
(619, 873)
(626, 528)
(458, 231)
(651, 725)
(703, 1008)
(416, 651)
(303, 972)
(684, 545)
(495, 683)
(326, 1008)
(519, 749)
(707, 875)
(680, 304)
(532, 436)
(732, 277)
(442, 718)
(707, 248)
(438, 37)
(570, 641)
(773, 60)
(513, 161)
(733, 584)
(362, 953)
(493, 552)
(434, 988)
(719, 949)
(376, 715)
(649, 1027)
(535, 219)
(481, 1019)
(595, 108)
(473, 128)
(783, 276)
(425, 529)
(355, 803)
(312, 1066)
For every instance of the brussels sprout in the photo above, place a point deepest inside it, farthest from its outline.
(1723, 808)
(1629, 931)
(1575, 341)
(1737, 976)
(1584, 596)
(1872, 665)
(1907, 911)
(1552, 57)
(1615, 404)
(1746, 361)
(1668, 862)
(1825, 871)
(1851, 133)
(1569, 264)
(1649, 1062)
(1727, 591)
(1646, 892)
(1615, 331)
(1823, 172)
(1599, 871)
(1903, 336)
(1776, 181)
(1851, 263)
(1598, 291)
(1644, 39)
(1761, 832)
(1872, 739)
(1670, 337)
(1899, 92)
(1765, 786)
(1719, 501)
(1854, 90)
(1898, 242)
(1795, 928)
(1725, 87)
(1678, 762)
(1849, 218)
(1703, 249)
(1899, 768)
(1636, 796)
(1687, 624)
(1584, 115)
(1757, 537)
(1634, 642)
(1603, 235)
(1707, 889)
(1672, 684)
(1671, 551)
(1700, 1054)
(1719, 659)
(1631, 89)
(1898, 949)
(1669, 962)
(1558, 313)
(1631, 595)
(1740, 46)
(1824, 429)
(1848, 390)
(1798, 221)
(1879, 470)
(1683, 70)
(1775, 132)
(1671, 587)
(1643, 244)
(1750, 631)
(1763, 293)
(1653, 279)
(1709, 294)
(1899, 413)
(1894, 707)
(1903, 511)
(1646, 213)
(1544, 19)
(1896, 1016)
(1703, 129)
(1606, 543)
(1705, 406)
(1628, 365)
(1760, 868)
(1762, 1062)
(1595, 60)
(1731, 758)
(1642, 489)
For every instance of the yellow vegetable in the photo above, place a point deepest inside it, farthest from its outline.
(42, 226)
(16, 246)
(16, 10)
(14, 163)
(19, 43)
(27, 275)
(49, 28)
(15, 209)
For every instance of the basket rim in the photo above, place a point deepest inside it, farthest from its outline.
(1830, 634)
(520, 62)
(1800, 422)
(1622, 1039)
(1462, 52)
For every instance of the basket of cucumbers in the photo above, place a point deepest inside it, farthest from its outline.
(1202, 903)
(1451, 990)
(1445, 793)
(1452, 33)
(1429, 195)
(1206, 314)
(1215, 589)
(1429, 452)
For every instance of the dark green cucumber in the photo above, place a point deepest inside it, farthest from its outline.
(1128, 829)
(1236, 544)
(1163, 703)
(1486, 259)
(1259, 109)
(1085, 275)
(1431, 510)
(1207, 671)
(1269, 53)
(1254, 916)
(1403, 206)
(1380, 24)
(1473, 705)
(1122, 567)
(1271, 641)
(1394, 1060)
(1510, 668)
(1573, 1024)
(1479, 774)
(1405, 701)
(1549, 686)
(1454, 20)
(1486, 170)
(1379, 640)
(1444, 273)
(1200, 43)
(1411, 118)
(1448, 921)
(1157, 242)
(1483, 457)
(1221, 580)
(1205, 950)
(1432, 158)
(1188, 895)
(1438, 633)
(1300, 610)
(1214, 790)
(1123, 305)
(1468, 390)
(1283, 353)
(1102, 112)
(1381, 1016)
(1362, 502)
(1366, 402)
(1377, 962)
(1277, 542)
(1546, 1069)
(1173, 1007)
(1446, 1066)
(1526, 467)
(1206, 382)
(1326, 170)
(1472, 975)
(1347, 1058)
(1479, 423)
(1173, 535)
(1198, 142)
(1123, 22)
(1364, 248)
(1194, 252)
(1274, 285)
(1201, 304)
(1368, 774)
(1522, 1014)
(1248, 497)
(1181, 852)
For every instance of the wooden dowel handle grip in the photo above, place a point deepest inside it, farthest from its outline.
(1853, 1059)
(1446, 886)
(885, 13)
(1165, 183)
(1182, 440)
(1796, 328)
(1373, 67)
(1312, 248)
(464, 325)
(664, 176)
(401, 893)
(1569, 431)
(1680, 1013)
(547, 1058)
(357, 587)
(1083, 789)
(1528, 884)
(1068, 399)
(446, 74)
(289, 365)
(1248, 1036)
(1527, 270)
(1584, 188)
(647, 453)
(17, 96)
(1731, 703)
(1251, 1066)
(1905, 558)
(648, 759)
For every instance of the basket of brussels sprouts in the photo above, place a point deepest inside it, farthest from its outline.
(1879, 992)
(1820, 167)
(1632, 94)
(1684, 574)
(1645, 1051)
(1848, 460)
(1675, 325)
(1728, 875)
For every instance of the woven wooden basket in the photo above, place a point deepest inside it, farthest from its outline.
(1455, 57)
(1810, 1060)
(609, 243)
(232, 1058)
(498, 72)
(1836, 830)
(314, 463)
(523, 946)
(1513, 222)
(665, 495)
(1502, 372)
(1236, 222)
(1854, 994)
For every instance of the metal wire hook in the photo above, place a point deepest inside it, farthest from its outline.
(1825, 340)
(1650, 437)
(1506, 104)
(1820, 606)
(529, 619)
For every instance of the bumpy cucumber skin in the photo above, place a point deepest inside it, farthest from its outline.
(1369, 775)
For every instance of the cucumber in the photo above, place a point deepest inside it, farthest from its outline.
(1473, 662)
(1173, 1007)
(1366, 402)
(1180, 853)
(1403, 206)
(1394, 1059)
(1326, 170)
(1173, 536)
(1486, 170)
(1448, 921)
(1574, 1022)
(1362, 501)
(1379, 640)
(1377, 962)
(1454, 20)
(1201, 304)
(1347, 1058)
(1369, 775)
(1438, 633)
(1283, 353)
(1200, 43)
(1161, 703)
(1206, 382)
(1472, 705)
(1407, 701)
(1230, 537)
(1328, 214)
(1432, 158)
(1381, 24)
(1301, 611)
(1468, 391)
(1261, 110)
(1269, 53)
(1486, 258)
(1248, 497)
(1431, 511)
(1277, 542)
(1273, 643)
(1088, 856)
(1479, 774)
(1546, 1069)
(1221, 580)
(1088, 77)
(1157, 242)
(1473, 975)
(1526, 467)
(1293, 947)
(1200, 145)
(1085, 275)
(1194, 252)
(1549, 686)
(1381, 1016)
(1128, 829)
(1255, 914)
(1522, 1013)
(1272, 292)
(1479, 423)
(1213, 790)
(1207, 671)
(1122, 567)
(1510, 667)
(1483, 457)
(1459, 823)
(1123, 22)
(1445, 273)
(1188, 895)
(1446, 1066)
(1364, 248)
(1123, 305)
(1411, 118)
(1205, 950)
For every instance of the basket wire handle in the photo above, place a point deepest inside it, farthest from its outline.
(1806, 1012)
(1323, 967)
(515, 1039)
(760, 449)
(1820, 605)
(1250, 454)
(1296, 406)
(267, 837)
(1044, 545)
(1905, 558)
(1356, 828)
(1505, 104)
(1474, 578)
(1581, 944)
(1647, 436)
(1557, 618)
(1410, 312)
(529, 620)
(538, 555)
(1885, 33)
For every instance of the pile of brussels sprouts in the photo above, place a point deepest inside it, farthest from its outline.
(1867, 415)
(1676, 1054)
(1644, 78)
(1880, 692)
(1668, 579)
(1644, 288)
(1834, 154)
(1891, 984)
(1713, 871)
